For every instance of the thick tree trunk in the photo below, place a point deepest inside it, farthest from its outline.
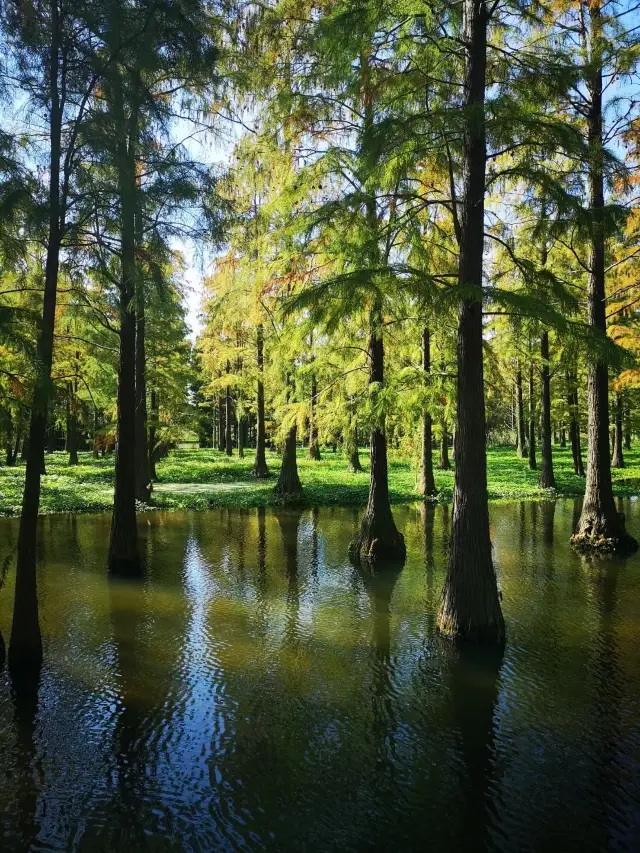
(379, 538)
(600, 525)
(143, 473)
(123, 556)
(289, 488)
(521, 437)
(25, 646)
(618, 459)
(470, 606)
(314, 449)
(547, 480)
(532, 421)
(260, 468)
(427, 480)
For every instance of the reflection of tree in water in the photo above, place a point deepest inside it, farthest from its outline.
(428, 513)
(128, 751)
(548, 510)
(474, 681)
(315, 551)
(379, 586)
(610, 691)
(289, 521)
(262, 550)
(29, 782)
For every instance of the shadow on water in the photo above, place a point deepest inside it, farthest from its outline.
(474, 683)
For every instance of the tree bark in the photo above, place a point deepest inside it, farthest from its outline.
(470, 606)
(222, 434)
(427, 480)
(124, 556)
(260, 469)
(600, 525)
(532, 421)
(379, 539)
(521, 437)
(547, 479)
(289, 488)
(72, 426)
(618, 458)
(25, 645)
(627, 424)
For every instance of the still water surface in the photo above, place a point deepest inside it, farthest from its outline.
(255, 692)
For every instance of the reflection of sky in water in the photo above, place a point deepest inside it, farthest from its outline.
(254, 691)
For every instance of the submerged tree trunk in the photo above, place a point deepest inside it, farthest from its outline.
(521, 437)
(379, 538)
(618, 459)
(314, 449)
(532, 421)
(600, 525)
(124, 557)
(427, 481)
(260, 468)
(470, 606)
(25, 645)
(547, 480)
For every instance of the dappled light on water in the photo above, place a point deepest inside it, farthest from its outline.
(254, 691)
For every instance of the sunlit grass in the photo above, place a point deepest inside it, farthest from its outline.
(199, 479)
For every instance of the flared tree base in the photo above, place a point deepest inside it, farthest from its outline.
(354, 466)
(378, 542)
(261, 472)
(599, 533)
(314, 452)
(491, 632)
(470, 611)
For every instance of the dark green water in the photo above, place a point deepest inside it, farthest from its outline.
(255, 692)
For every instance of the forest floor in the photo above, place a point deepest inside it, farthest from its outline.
(198, 479)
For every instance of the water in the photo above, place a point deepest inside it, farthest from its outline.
(255, 692)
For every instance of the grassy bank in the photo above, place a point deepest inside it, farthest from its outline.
(197, 479)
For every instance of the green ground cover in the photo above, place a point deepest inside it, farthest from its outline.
(198, 479)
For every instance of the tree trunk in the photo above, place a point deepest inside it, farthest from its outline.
(521, 437)
(470, 606)
(222, 434)
(547, 480)
(72, 426)
(25, 645)
(427, 481)
(618, 459)
(379, 539)
(314, 450)
(444, 463)
(352, 450)
(600, 525)
(240, 433)
(9, 460)
(574, 423)
(532, 421)
(124, 557)
(143, 473)
(563, 437)
(228, 438)
(260, 469)
(289, 488)
(627, 425)
(153, 427)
